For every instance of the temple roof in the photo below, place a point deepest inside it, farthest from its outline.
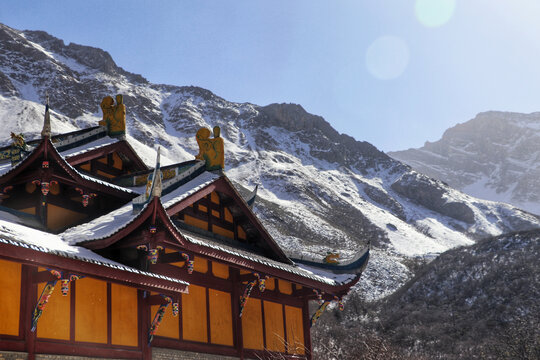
(111, 223)
(7, 169)
(183, 184)
(319, 276)
(15, 234)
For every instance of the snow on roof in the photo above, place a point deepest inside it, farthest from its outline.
(93, 145)
(189, 188)
(6, 168)
(93, 179)
(304, 271)
(109, 224)
(19, 235)
(102, 182)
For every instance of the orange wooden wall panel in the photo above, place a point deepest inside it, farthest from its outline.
(295, 330)
(107, 175)
(194, 314)
(221, 331)
(58, 218)
(54, 322)
(228, 215)
(285, 287)
(117, 161)
(31, 211)
(220, 270)
(270, 284)
(124, 315)
(179, 263)
(273, 319)
(223, 232)
(200, 264)
(252, 328)
(241, 233)
(170, 325)
(214, 197)
(10, 300)
(190, 220)
(91, 311)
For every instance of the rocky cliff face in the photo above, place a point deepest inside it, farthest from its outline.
(495, 156)
(319, 190)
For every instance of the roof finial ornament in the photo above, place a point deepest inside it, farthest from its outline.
(156, 184)
(153, 187)
(46, 132)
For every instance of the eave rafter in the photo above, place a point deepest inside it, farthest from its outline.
(47, 152)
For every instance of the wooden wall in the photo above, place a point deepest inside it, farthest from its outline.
(103, 314)
(10, 286)
(206, 314)
(210, 215)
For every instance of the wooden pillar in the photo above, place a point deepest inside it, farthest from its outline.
(237, 320)
(144, 324)
(285, 335)
(27, 307)
(307, 328)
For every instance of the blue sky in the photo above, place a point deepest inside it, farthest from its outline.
(392, 72)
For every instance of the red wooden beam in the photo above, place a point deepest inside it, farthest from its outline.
(193, 278)
(37, 258)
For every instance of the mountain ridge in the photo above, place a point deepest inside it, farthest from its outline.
(495, 156)
(320, 191)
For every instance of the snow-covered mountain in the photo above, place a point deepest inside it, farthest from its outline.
(319, 190)
(495, 156)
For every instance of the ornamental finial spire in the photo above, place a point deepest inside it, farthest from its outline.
(46, 132)
(157, 187)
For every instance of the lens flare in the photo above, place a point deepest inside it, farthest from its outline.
(387, 57)
(434, 13)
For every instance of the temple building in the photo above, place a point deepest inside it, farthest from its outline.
(102, 256)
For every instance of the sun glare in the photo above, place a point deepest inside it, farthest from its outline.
(434, 13)
(387, 57)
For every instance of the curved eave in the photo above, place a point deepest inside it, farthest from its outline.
(31, 255)
(355, 266)
(46, 147)
(154, 207)
(272, 268)
(275, 271)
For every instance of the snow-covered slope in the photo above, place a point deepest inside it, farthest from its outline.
(319, 190)
(495, 156)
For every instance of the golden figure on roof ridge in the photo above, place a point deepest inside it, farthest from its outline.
(114, 116)
(211, 150)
